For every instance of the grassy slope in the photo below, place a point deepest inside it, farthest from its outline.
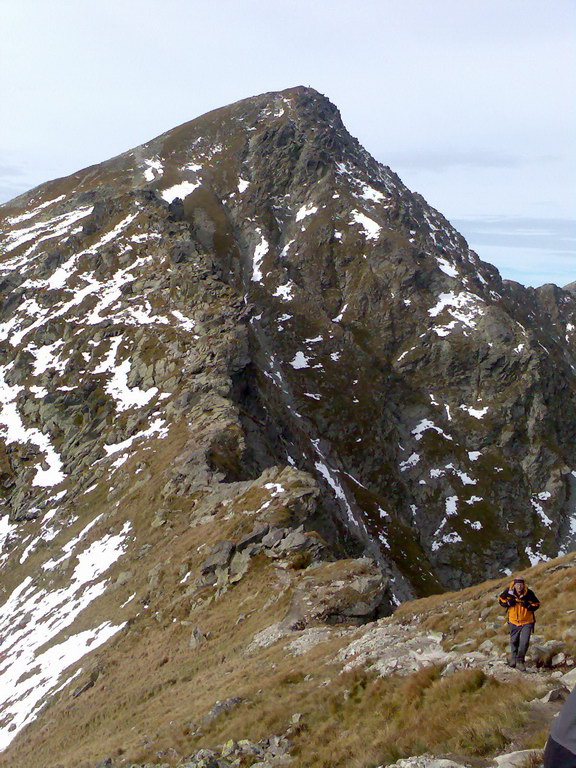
(475, 613)
(153, 691)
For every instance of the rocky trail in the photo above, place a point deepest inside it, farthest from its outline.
(389, 647)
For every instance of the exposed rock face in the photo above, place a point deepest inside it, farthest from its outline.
(256, 274)
(249, 320)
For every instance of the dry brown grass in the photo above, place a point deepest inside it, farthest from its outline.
(474, 613)
(371, 720)
(154, 691)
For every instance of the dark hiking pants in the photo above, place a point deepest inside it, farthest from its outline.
(519, 639)
(557, 756)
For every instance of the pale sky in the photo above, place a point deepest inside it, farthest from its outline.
(471, 102)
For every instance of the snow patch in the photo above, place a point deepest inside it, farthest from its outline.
(463, 307)
(181, 190)
(127, 397)
(448, 538)
(426, 424)
(371, 228)
(411, 461)
(446, 267)
(284, 251)
(369, 193)
(29, 620)
(306, 210)
(6, 530)
(186, 323)
(339, 317)
(536, 557)
(403, 355)
(478, 413)
(539, 509)
(158, 427)
(260, 250)
(45, 230)
(45, 358)
(12, 429)
(451, 505)
(34, 212)
(284, 292)
(153, 169)
(300, 361)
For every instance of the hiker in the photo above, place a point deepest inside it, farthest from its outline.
(521, 603)
(560, 749)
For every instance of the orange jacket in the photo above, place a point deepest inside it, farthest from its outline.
(520, 607)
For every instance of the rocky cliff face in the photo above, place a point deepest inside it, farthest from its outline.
(248, 327)
(259, 258)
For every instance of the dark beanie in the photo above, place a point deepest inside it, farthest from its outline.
(519, 581)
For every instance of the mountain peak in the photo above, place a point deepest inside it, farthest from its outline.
(245, 349)
(299, 98)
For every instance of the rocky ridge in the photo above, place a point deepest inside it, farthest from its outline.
(245, 350)
(259, 255)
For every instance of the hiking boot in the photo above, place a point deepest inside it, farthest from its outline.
(521, 665)
(511, 661)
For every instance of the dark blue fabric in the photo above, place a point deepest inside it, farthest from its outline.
(557, 756)
(563, 730)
